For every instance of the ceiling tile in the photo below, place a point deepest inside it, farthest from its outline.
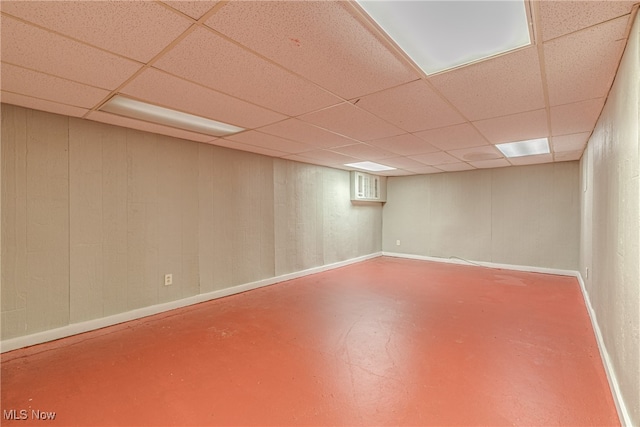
(41, 50)
(435, 159)
(363, 152)
(271, 142)
(349, 120)
(456, 167)
(424, 170)
(41, 104)
(575, 118)
(194, 9)
(301, 159)
(488, 164)
(328, 157)
(402, 163)
(413, 107)
(405, 145)
(515, 127)
(575, 142)
(500, 86)
(192, 98)
(298, 130)
(302, 36)
(112, 119)
(487, 152)
(263, 63)
(453, 137)
(135, 29)
(215, 62)
(39, 85)
(396, 172)
(567, 156)
(582, 65)
(558, 18)
(531, 160)
(223, 142)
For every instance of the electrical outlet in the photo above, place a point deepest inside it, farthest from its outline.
(168, 279)
(587, 274)
(397, 242)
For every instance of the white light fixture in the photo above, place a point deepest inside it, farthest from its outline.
(164, 116)
(370, 166)
(440, 35)
(530, 147)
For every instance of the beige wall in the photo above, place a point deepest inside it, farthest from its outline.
(94, 215)
(610, 231)
(525, 215)
(315, 219)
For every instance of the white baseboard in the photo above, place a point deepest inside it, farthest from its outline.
(90, 325)
(514, 267)
(623, 413)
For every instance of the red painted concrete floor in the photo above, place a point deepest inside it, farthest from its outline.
(384, 342)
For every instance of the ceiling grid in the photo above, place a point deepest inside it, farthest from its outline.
(318, 81)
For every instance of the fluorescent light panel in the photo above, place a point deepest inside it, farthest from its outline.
(370, 166)
(530, 147)
(440, 35)
(128, 107)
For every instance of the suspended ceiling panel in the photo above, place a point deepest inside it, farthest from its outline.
(220, 64)
(505, 85)
(434, 159)
(194, 9)
(456, 167)
(567, 156)
(195, 99)
(489, 164)
(365, 152)
(250, 148)
(316, 81)
(42, 104)
(573, 142)
(298, 130)
(349, 120)
(558, 18)
(41, 50)
(453, 137)
(404, 145)
(576, 117)
(87, 21)
(321, 41)
(487, 152)
(413, 107)
(514, 127)
(35, 84)
(591, 54)
(325, 158)
(264, 140)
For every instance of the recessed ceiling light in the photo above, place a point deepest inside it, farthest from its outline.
(530, 147)
(370, 166)
(440, 35)
(164, 116)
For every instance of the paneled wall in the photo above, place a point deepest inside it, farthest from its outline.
(35, 221)
(94, 215)
(315, 219)
(610, 232)
(525, 215)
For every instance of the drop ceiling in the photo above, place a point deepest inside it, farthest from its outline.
(316, 81)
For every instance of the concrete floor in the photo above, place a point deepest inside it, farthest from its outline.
(383, 342)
